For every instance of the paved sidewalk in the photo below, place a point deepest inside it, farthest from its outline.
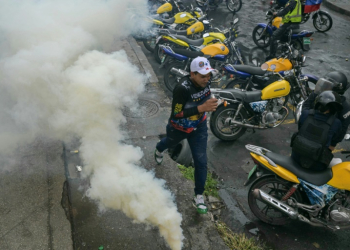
(341, 6)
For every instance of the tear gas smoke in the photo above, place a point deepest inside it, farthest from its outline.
(55, 82)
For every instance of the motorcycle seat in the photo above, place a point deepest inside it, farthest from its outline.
(188, 53)
(253, 70)
(247, 96)
(168, 21)
(197, 42)
(317, 178)
(296, 31)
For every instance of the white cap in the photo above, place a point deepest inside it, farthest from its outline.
(201, 65)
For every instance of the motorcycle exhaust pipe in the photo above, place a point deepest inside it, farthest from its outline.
(268, 199)
(179, 72)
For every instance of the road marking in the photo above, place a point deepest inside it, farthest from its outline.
(289, 121)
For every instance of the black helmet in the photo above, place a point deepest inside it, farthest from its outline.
(328, 100)
(339, 80)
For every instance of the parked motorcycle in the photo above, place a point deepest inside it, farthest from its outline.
(170, 7)
(262, 34)
(282, 190)
(258, 109)
(253, 77)
(180, 21)
(207, 5)
(322, 21)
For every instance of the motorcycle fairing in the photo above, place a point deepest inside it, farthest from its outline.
(341, 176)
(317, 178)
(320, 195)
(276, 89)
(217, 35)
(219, 58)
(195, 28)
(183, 17)
(277, 65)
(176, 40)
(278, 170)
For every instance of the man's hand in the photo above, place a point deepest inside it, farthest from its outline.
(208, 106)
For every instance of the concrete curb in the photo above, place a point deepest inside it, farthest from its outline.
(152, 77)
(336, 8)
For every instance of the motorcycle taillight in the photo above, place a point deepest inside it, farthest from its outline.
(255, 160)
(308, 35)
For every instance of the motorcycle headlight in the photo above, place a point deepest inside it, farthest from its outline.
(273, 66)
(264, 66)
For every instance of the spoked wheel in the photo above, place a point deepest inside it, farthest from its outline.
(150, 43)
(234, 5)
(201, 3)
(158, 52)
(261, 37)
(221, 126)
(170, 79)
(276, 188)
(323, 22)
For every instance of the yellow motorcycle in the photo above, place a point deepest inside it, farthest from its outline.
(282, 190)
(258, 109)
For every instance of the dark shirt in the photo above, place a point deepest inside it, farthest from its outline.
(333, 133)
(343, 116)
(288, 8)
(186, 98)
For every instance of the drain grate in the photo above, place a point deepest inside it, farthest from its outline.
(146, 108)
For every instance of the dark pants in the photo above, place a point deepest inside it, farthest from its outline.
(277, 35)
(197, 140)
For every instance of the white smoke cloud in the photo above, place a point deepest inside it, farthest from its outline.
(56, 82)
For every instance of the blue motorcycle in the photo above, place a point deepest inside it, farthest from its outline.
(262, 34)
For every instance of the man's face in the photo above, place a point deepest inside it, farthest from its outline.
(200, 80)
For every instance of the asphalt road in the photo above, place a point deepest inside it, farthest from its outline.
(231, 161)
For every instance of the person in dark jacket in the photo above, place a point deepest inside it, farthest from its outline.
(188, 120)
(337, 82)
(318, 130)
(291, 15)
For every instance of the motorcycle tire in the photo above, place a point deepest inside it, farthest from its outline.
(256, 35)
(158, 52)
(325, 18)
(170, 79)
(277, 188)
(223, 131)
(237, 84)
(148, 43)
(297, 45)
(200, 3)
(234, 5)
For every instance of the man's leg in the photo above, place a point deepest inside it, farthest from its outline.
(172, 138)
(277, 35)
(198, 144)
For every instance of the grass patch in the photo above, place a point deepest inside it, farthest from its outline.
(238, 241)
(210, 184)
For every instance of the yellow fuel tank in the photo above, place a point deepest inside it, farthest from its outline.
(184, 17)
(277, 21)
(215, 49)
(341, 176)
(276, 89)
(195, 28)
(177, 41)
(281, 64)
(167, 7)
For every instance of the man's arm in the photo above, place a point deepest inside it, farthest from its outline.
(288, 8)
(180, 97)
(309, 102)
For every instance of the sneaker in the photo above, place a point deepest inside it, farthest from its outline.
(199, 203)
(158, 156)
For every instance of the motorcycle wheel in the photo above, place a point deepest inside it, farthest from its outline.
(323, 22)
(181, 153)
(170, 79)
(201, 3)
(226, 132)
(296, 44)
(158, 52)
(237, 84)
(277, 188)
(261, 40)
(234, 5)
(150, 43)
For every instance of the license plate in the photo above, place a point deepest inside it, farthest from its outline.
(158, 38)
(306, 40)
(252, 172)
